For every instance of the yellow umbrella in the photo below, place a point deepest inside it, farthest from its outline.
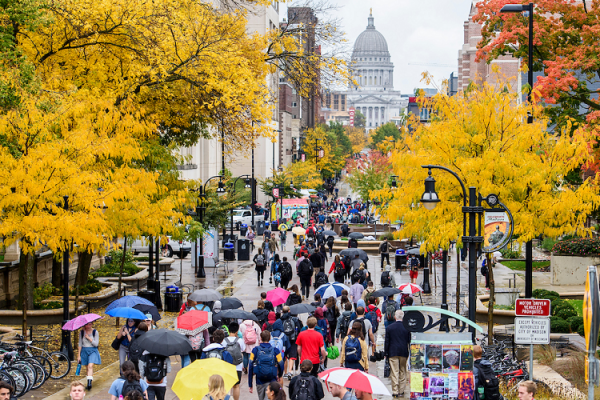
(283, 227)
(298, 230)
(191, 382)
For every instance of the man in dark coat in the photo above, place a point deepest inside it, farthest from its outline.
(397, 342)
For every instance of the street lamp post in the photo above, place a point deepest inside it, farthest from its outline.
(200, 212)
(246, 186)
(66, 347)
(316, 153)
(518, 8)
(444, 325)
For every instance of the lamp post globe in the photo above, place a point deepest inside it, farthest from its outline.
(430, 198)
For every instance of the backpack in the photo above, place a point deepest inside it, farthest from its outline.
(135, 351)
(383, 247)
(306, 267)
(489, 381)
(304, 389)
(353, 349)
(289, 328)
(197, 341)
(330, 241)
(484, 270)
(129, 387)
(265, 366)
(372, 315)
(385, 279)
(215, 353)
(233, 347)
(321, 279)
(390, 310)
(268, 327)
(277, 342)
(154, 370)
(339, 271)
(337, 220)
(330, 315)
(357, 276)
(364, 327)
(286, 270)
(344, 325)
(260, 260)
(250, 335)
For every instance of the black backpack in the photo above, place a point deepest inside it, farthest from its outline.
(286, 270)
(304, 389)
(306, 267)
(135, 351)
(357, 276)
(385, 279)
(489, 380)
(154, 370)
(344, 325)
(364, 327)
(390, 310)
(321, 279)
(289, 328)
(339, 271)
(268, 327)
(129, 387)
(330, 315)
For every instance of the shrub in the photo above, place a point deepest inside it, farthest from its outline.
(559, 325)
(575, 323)
(510, 254)
(578, 247)
(548, 243)
(545, 294)
(555, 305)
(581, 330)
(43, 292)
(114, 266)
(92, 286)
(51, 305)
(566, 313)
(387, 235)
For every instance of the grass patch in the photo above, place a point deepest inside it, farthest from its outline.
(520, 265)
(577, 305)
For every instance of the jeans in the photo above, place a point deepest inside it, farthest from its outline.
(305, 283)
(282, 246)
(246, 359)
(123, 354)
(398, 374)
(383, 257)
(260, 275)
(185, 360)
(331, 251)
(156, 392)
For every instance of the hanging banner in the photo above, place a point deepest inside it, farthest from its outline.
(497, 230)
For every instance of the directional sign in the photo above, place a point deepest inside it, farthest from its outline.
(532, 330)
(532, 308)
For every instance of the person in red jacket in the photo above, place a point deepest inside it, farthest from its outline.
(373, 307)
(337, 262)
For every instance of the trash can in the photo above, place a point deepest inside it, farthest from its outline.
(243, 230)
(230, 238)
(274, 226)
(173, 301)
(260, 228)
(228, 251)
(243, 249)
(148, 295)
(400, 259)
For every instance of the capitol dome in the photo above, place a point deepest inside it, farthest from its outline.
(370, 43)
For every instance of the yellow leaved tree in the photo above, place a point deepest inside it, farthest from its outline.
(357, 137)
(317, 139)
(483, 136)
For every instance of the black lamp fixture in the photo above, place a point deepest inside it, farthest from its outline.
(247, 183)
(430, 198)
(291, 184)
(221, 189)
(394, 184)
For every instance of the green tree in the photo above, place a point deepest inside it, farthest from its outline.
(359, 119)
(384, 132)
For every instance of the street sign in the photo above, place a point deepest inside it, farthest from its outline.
(532, 330)
(351, 112)
(321, 153)
(532, 308)
(275, 192)
(303, 157)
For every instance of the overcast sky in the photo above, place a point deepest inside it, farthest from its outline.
(417, 31)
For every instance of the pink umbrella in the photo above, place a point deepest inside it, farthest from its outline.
(78, 322)
(410, 288)
(277, 296)
(354, 379)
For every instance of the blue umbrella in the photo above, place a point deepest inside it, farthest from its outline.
(331, 289)
(128, 301)
(353, 211)
(126, 312)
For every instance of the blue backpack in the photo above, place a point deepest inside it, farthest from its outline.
(372, 316)
(266, 369)
(353, 349)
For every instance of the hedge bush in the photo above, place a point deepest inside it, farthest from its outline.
(581, 330)
(575, 323)
(587, 247)
(92, 286)
(545, 294)
(559, 325)
(566, 313)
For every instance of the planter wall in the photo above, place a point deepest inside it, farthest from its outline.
(570, 270)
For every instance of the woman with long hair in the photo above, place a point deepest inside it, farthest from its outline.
(131, 377)
(339, 269)
(88, 353)
(216, 389)
(275, 391)
(295, 297)
(354, 352)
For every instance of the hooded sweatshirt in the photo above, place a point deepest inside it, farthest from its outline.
(388, 268)
(277, 331)
(217, 321)
(339, 322)
(217, 346)
(285, 316)
(322, 323)
(476, 370)
(271, 318)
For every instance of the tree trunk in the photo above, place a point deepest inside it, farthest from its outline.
(83, 268)
(26, 268)
(56, 273)
(491, 302)
(118, 323)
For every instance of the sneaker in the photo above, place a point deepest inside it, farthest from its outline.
(258, 284)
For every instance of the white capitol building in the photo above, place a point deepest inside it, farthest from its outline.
(373, 71)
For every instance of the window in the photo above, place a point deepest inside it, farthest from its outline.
(293, 116)
(294, 104)
(424, 114)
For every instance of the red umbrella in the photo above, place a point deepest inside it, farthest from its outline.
(354, 379)
(192, 322)
(410, 288)
(277, 296)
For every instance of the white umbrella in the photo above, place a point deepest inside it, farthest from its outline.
(410, 288)
(355, 379)
(331, 289)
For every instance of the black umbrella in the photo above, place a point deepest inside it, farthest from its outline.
(238, 314)
(386, 291)
(301, 309)
(164, 342)
(352, 252)
(230, 303)
(204, 295)
(329, 233)
(356, 235)
(147, 309)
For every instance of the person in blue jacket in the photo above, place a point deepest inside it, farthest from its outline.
(266, 362)
(216, 349)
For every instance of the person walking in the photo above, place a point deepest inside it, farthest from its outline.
(283, 240)
(216, 389)
(388, 309)
(261, 314)
(250, 333)
(216, 349)
(286, 273)
(290, 325)
(343, 323)
(339, 269)
(486, 379)
(6, 391)
(126, 335)
(311, 345)
(129, 381)
(266, 362)
(330, 240)
(275, 274)
(250, 235)
(356, 291)
(354, 350)
(88, 353)
(527, 390)
(414, 269)
(384, 252)
(235, 346)
(305, 386)
(305, 272)
(367, 328)
(153, 370)
(260, 262)
(387, 277)
(294, 297)
(331, 313)
(485, 272)
(396, 349)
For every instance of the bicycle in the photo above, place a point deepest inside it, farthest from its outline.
(57, 364)
(20, 380)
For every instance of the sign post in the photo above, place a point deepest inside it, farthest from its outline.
(591, 324)
(275, 192)
(532, 324)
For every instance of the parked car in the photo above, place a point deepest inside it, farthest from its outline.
(243, 216)
(171, 248)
